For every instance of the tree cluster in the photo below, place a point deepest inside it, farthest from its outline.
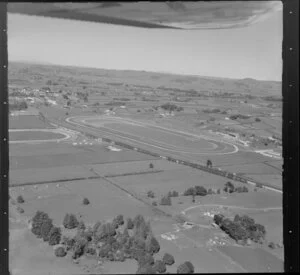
(230, 188)
(195, 191)
(171, 107)
(42, 227)
(241, 228)
(70, 221)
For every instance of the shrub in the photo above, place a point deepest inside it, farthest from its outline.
(20, 199)
(150, 194)
(218, 191)
(168, 259)
(54, 236)
(70, 221)
(257, 119)
(85, 201)
(45, 229)
(60, 252)
(151, 166)
(37, 222)
(154, 203)
(166, 201)
(159, 266)
(130, 223)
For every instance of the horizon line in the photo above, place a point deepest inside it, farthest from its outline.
(158, 72)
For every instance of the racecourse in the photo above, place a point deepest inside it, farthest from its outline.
(155, 137)
(40, 135)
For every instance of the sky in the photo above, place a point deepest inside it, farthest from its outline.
(253, 51)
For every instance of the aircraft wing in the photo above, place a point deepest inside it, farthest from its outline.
(176, 15)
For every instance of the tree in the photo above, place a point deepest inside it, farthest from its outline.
(20, 199)
(159, 266)
(68, 242)
(245, 189)
(130, 223)
(200, 191)
(151, 166)
(152, 245)
(229, 187)
(168, 259)
(189, 192)
(218, 218)
(95, 227)
(85, 201)
(138, 220)
(45, 229)
(218, 191)
(146, 259)
(81, 226)
(165, 201)
(54, 236)
(37, 222)
(271, 245)
(150, 194)
(185, 268)
(119, 220)
(175, 194)
(209, 163)
(154, 203)
(70, 221)
(209, 191)
(60, 252)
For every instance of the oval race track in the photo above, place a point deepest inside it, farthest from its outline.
(155, 136)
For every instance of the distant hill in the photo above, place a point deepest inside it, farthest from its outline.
(155, 80)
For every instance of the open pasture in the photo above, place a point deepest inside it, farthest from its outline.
(28, 122)
(179, 180)
(253, 260)
(33, 135)
(106, 201)
(66, 154)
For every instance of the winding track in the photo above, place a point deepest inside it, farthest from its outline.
(68, 135)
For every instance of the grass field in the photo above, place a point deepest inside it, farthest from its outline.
(253, 260)
(27, 122)
(30, 135)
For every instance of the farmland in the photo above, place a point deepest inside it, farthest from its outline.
(114, 140)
